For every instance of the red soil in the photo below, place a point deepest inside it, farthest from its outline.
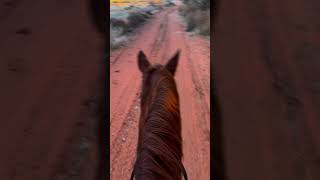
(49, 69)
(267, 78)
(159, 39)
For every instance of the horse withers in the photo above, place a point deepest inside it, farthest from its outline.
(159, 149)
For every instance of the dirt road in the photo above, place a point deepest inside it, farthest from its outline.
(49, 70)
(159, 39)
(266, 75)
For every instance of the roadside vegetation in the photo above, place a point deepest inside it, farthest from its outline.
(124, 21)
(196, 14)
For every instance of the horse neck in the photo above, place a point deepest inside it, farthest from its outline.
(160, 142)
(161, 105)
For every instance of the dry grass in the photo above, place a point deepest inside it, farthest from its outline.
(117, 37)
(120, 29)
(135, 19)
(196, 19)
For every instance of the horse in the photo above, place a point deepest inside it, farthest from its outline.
(159, 148)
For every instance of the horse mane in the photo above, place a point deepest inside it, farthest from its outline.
(159, 151)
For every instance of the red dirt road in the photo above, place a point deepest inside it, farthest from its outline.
(266, 75)
(49, 78)
(159, 39)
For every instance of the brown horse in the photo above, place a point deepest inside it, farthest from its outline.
(159, 150)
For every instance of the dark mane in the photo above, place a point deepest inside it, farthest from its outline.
(159, 151)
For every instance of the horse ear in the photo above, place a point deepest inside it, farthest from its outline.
(143, 62)
(173, 63)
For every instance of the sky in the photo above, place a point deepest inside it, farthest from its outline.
(133, 2)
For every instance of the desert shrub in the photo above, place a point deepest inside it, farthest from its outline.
(199, 4)
(202, 22)
(119, 28)
(196, 19)
(119, 24)
(122, 26)
(117, 38)
(135, 19)
(204, 4)
(169, 3)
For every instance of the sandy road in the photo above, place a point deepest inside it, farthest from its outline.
(159, 39)
(266, 75)
(49, 78)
